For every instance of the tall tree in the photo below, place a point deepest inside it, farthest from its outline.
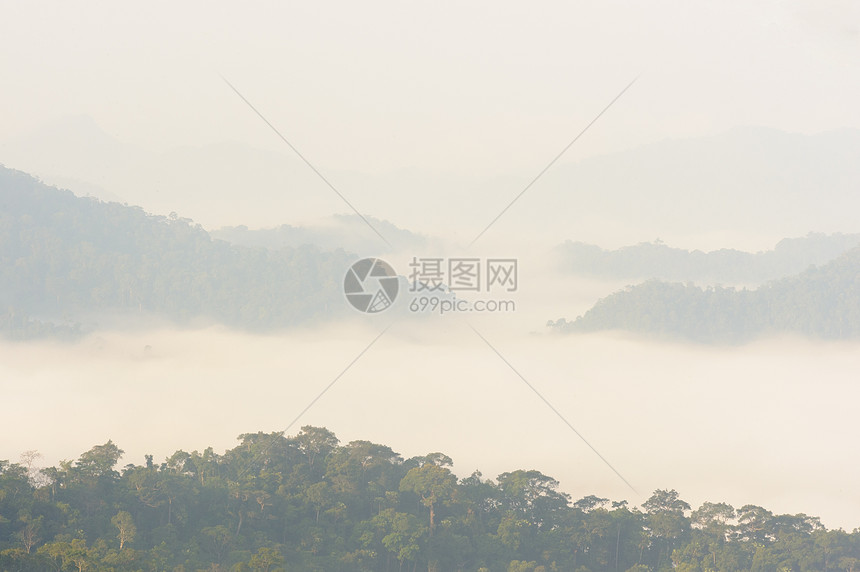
(126, 530)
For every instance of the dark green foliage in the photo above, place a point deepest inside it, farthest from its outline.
(66, 260)
(821, 302)
(307, 502)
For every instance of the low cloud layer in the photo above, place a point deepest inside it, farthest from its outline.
(770, 423)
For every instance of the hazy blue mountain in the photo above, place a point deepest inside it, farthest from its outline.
(823, 301)
(220, 183)
(726, 266)
(71, 146)
(66, 260)
(344, 231)
(743, 182)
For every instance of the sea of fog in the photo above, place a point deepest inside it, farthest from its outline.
(771, 423)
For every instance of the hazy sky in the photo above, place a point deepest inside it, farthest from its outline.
(470, 90)
(483, 87)
(423, 99)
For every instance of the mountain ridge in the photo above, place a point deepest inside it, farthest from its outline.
(753, 181)
(66, 258)
(821, 302)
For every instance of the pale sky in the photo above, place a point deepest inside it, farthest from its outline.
(481, 87)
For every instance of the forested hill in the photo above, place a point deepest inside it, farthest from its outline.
(342, 230)
(65, 261)
(821, 302)
(726, 266)
(307, 503)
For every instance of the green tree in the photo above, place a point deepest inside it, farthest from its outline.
(433, 484)
(315, 442)
(266, 559)
(403, 534)
(666, 521)
(533, 495)
(126, 530)
(319, 496)
(99, 461)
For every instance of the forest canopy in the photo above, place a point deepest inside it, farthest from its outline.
(67, 262)
(822, 302)
(310, 503)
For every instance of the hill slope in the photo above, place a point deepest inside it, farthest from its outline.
(67, 258)
(820, 302)
(726, 266)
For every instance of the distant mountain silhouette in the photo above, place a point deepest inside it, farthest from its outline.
(821, 302)
(66, 262)
(343, 231)
(746, 181)
(726, 266)
(751, 183)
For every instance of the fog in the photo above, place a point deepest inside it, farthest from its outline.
(770, 423)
